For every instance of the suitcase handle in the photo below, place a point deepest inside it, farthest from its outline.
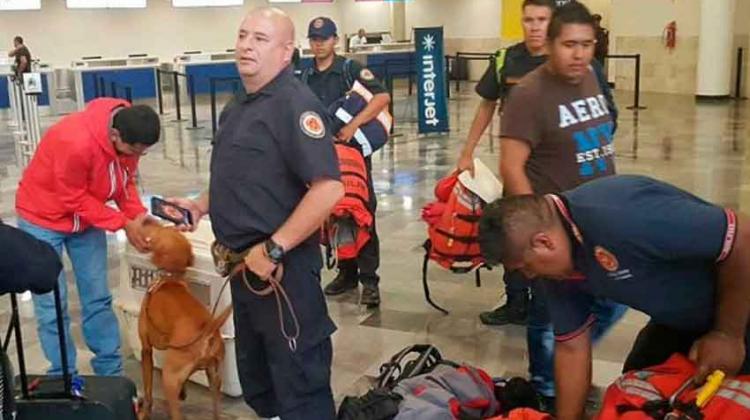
(15, 325)
(67, 380)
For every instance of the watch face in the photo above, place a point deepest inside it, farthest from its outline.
(274, 251)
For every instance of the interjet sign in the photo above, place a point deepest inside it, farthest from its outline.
(433, 103)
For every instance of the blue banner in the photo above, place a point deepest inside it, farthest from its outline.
(431, 89)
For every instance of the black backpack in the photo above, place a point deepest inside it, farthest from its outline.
(412, 361)
(381, 403)
(377, 404)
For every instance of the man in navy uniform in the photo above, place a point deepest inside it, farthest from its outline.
(640, 242)
(274, 180)
(330, 78)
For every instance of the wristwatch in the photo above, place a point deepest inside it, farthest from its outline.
(274, 251)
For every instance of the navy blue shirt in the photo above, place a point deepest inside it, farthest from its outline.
(645, 244)
(26, 262)
(335, 81)
(517, 62)
(270, 146)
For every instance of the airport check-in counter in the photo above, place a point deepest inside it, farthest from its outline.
(397, 58)
(47, 98)
(137, 72)
(202, 66)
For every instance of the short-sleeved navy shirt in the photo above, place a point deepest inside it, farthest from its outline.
(645, 244)
(335, 81)
(270, 146)
(517, 63)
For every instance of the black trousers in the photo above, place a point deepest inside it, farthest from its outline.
(276, 380)
(656, 343)
(365, 266)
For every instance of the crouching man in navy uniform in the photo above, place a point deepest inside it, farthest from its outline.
(274, 180)
(640, 242)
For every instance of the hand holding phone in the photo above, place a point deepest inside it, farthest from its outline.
(171, 212)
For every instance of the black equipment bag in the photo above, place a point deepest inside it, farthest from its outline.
(411, 361)
(381, 403)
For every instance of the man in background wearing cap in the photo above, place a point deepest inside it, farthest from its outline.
(84, 161)
(330, 78)
(602, 41)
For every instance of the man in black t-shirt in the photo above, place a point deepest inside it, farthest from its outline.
(22, 55)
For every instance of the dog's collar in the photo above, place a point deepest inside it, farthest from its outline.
(165, 273)
(153, 287)
(162, 277)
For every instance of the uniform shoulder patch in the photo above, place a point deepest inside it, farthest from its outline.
(606, 259)
(312, 125)
(366, 74)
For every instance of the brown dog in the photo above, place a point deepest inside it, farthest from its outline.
(173, 320)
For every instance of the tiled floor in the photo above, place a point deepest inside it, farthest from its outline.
(700, 147)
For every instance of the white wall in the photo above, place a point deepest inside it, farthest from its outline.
(58, 35)
(637, 18)
(373, 16)
(602, 7)
(461, 18)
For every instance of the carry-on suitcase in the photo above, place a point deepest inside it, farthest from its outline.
(41, 397)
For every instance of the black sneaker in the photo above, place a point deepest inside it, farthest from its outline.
(513, 312)
(341, 284)
(370, 296)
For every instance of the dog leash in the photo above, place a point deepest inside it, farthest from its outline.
(274, 287)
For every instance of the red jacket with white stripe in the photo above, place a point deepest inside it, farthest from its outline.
(76, 171)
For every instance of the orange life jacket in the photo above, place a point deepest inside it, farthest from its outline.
(524, 414)
(644, 395)
(454, 226)
(348, 228)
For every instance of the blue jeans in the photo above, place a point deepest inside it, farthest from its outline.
(540, 337)
(88, 253)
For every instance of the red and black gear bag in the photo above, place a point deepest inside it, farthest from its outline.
(454, 235)
(644, 395)
(453, 231)
(348, 228)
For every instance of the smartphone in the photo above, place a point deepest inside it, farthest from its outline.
(171, 212)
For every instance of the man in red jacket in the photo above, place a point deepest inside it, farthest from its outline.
(83, 162)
